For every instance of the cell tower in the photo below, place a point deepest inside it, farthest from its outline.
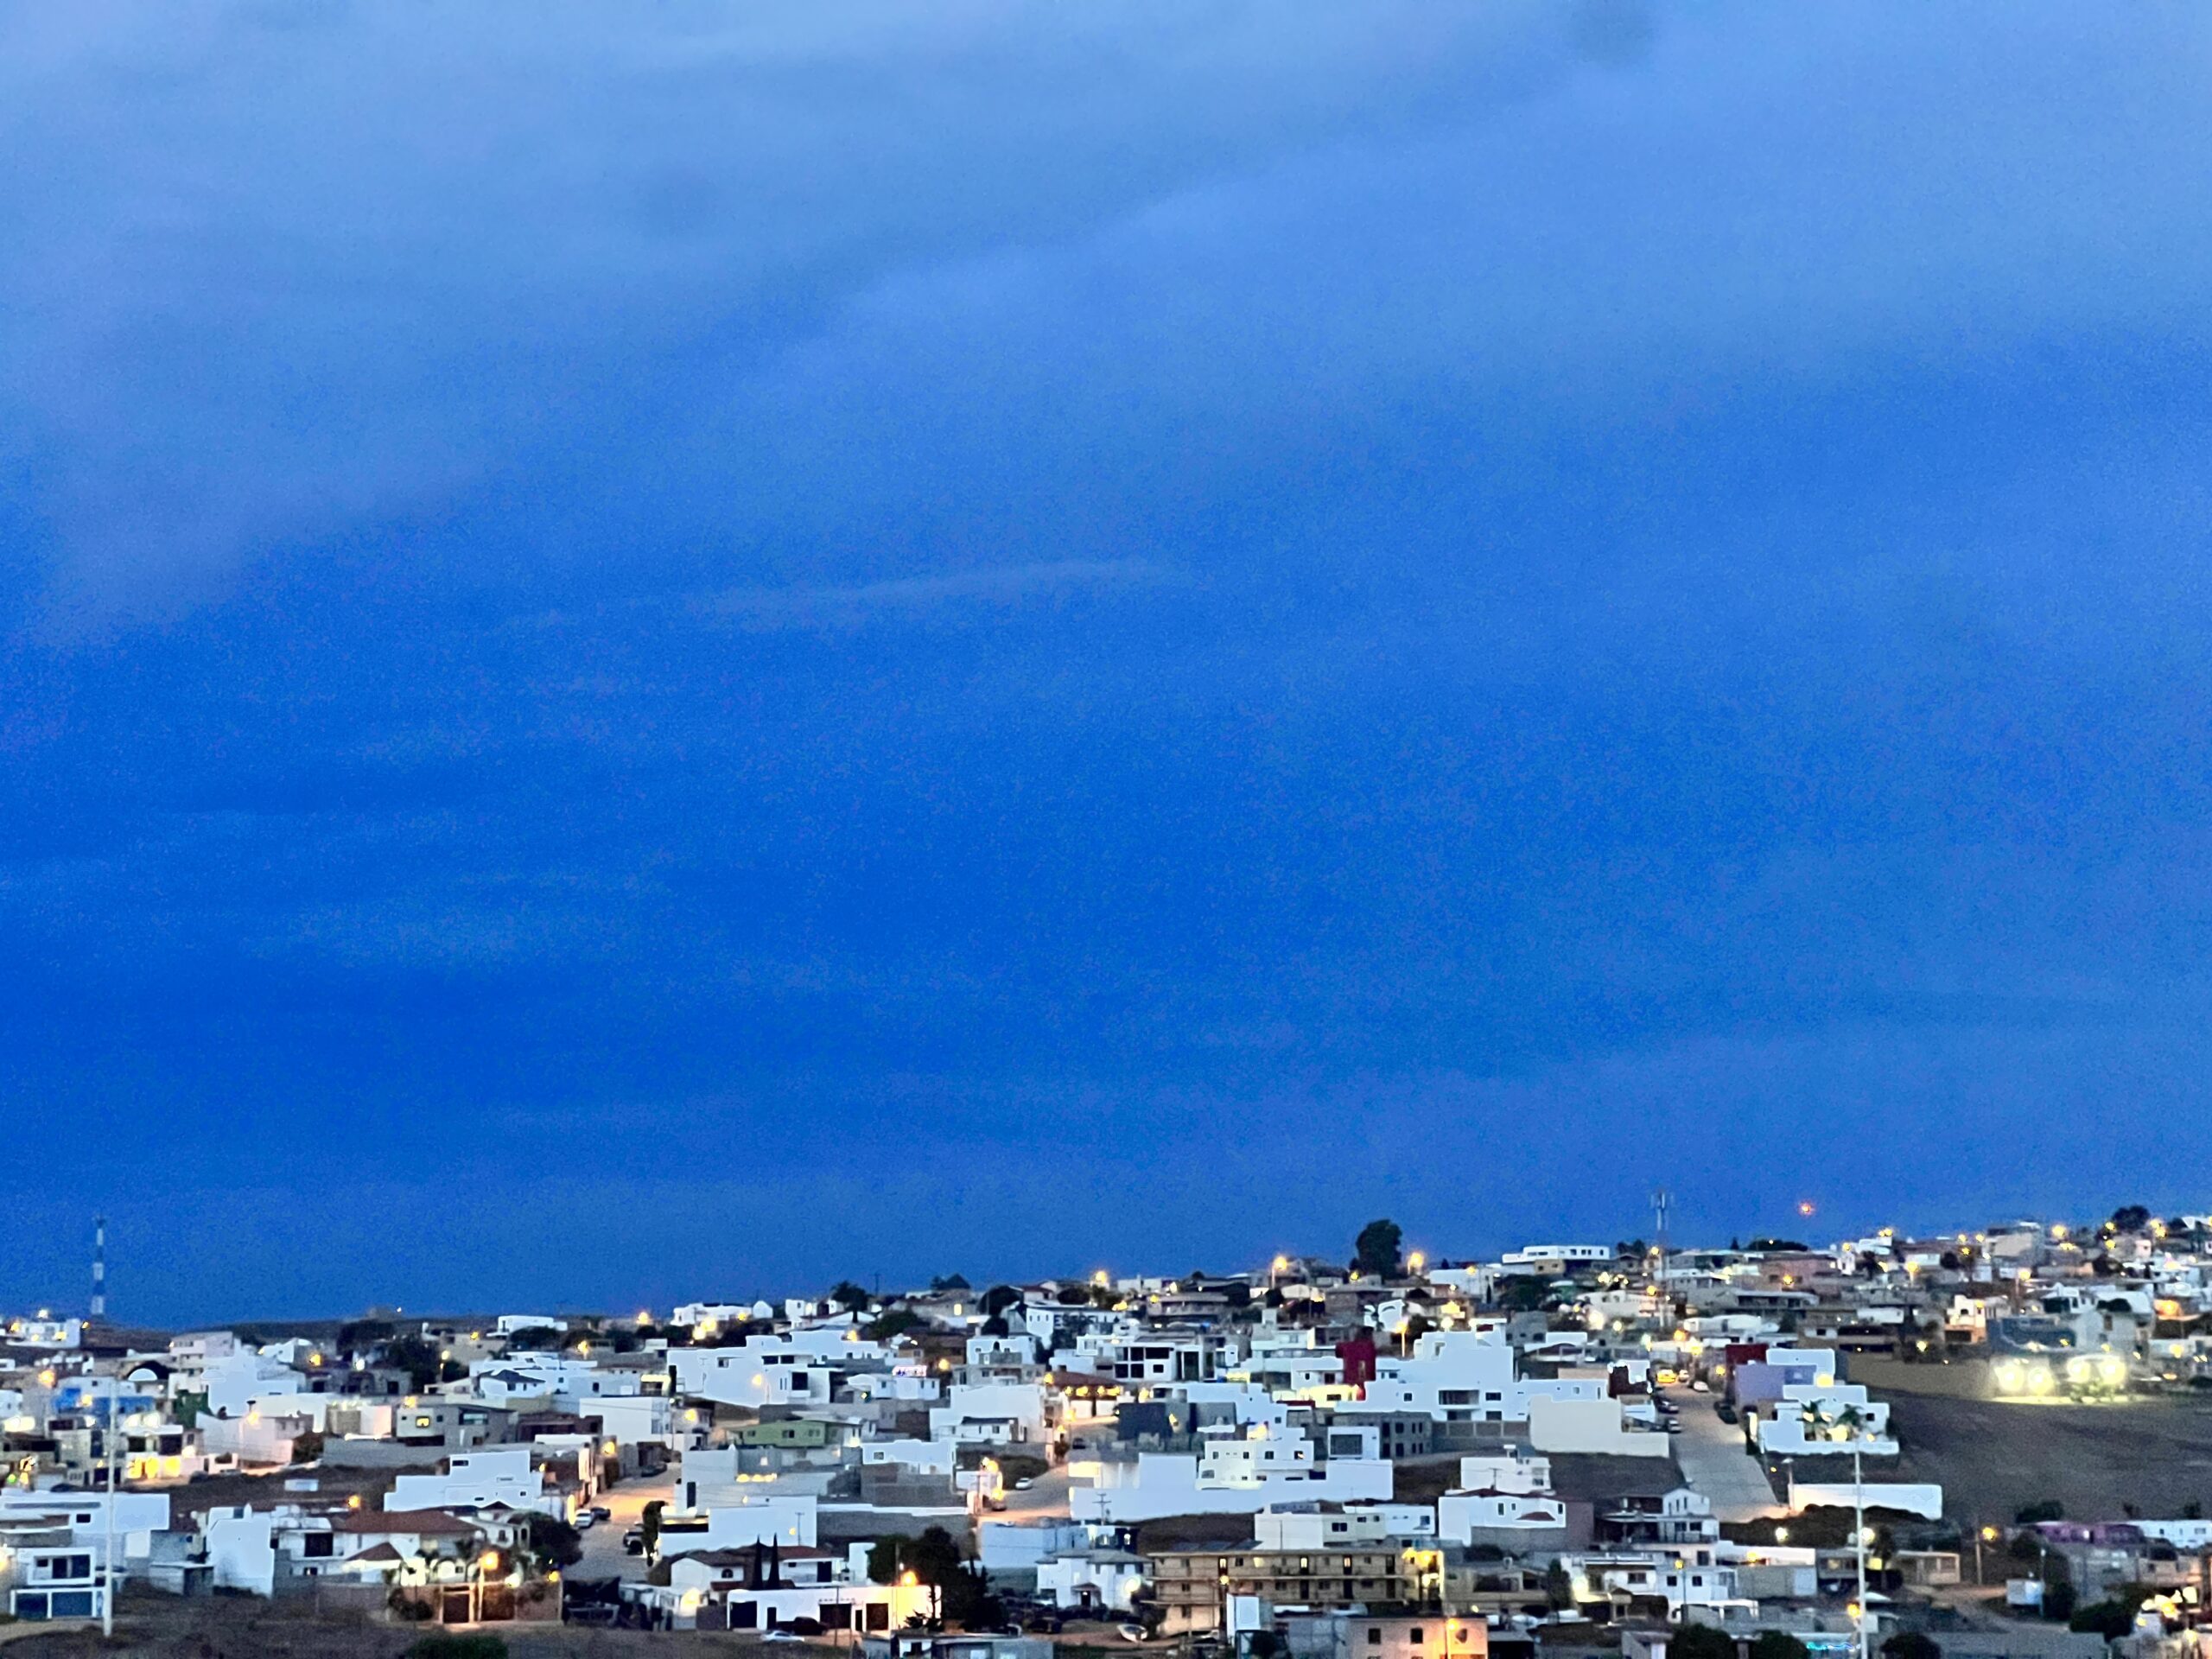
(100, 1268)
(1662, 1201)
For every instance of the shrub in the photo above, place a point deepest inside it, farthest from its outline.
(474, 1646)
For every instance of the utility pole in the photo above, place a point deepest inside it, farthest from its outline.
(107, 1559)
(1662, 1201)
(1859, 1538)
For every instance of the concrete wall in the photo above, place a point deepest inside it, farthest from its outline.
(1588, 1426)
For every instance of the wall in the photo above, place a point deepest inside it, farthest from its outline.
(1592, 1425)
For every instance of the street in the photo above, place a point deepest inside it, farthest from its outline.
(1046, 1500)
(604, 1556)
(1714, 1463)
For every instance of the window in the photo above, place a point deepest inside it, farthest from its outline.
(318, 1546)
(1374, 1635)
(1414, 1635)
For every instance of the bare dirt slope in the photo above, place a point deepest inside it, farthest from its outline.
(1992, 1459)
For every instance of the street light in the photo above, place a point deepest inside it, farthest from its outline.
(1850, 1425)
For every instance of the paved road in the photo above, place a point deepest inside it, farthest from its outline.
(1714, 1462)
(1046, 1500)
(604, 1556)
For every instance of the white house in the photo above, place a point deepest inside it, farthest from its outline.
(1350, 1526)
(1231, 1477)
(477, 1481)
(991, 1413)
(1093, 1579)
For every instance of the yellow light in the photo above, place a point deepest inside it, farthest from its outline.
(1416, 1262)
(355, 1502)
(46, 1379)
(490, 1561)
(610, 1449)
(1782, 1534)
(554, 1577)
(644, 1316)
(908, 1580)
(1282, 1264)
(314, 1360)
(1099, 1277)
(1805, 1208)
(1989, 1534)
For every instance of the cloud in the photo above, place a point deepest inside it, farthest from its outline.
(287, 276)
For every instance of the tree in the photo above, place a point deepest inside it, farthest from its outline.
(1523, 1293)
(1559, 1588)
(895, 1323)
(362, 1336)
(1775, 1247)
(2048, 1509)
(999, 1297)
(649, 1527)
(307, 1447)
(848, 1296)
(1375, 1252)
(556, 1543)
(2111, 1618)
(537, 1339)
(883, 1558)
(414, 1357)
(1778, 1645)
(1911, 1644)
(1693, 1640)
(2131, 1218)
(949, 1281)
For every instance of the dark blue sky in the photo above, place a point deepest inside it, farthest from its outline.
(687, 649)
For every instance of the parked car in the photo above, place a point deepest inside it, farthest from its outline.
(634, 1541)
(601, 1512)
(781, 1635)
(585, 1521)
(1024, 1483)
(1724, 1411)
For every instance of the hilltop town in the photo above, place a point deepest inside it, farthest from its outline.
(1994, 1444)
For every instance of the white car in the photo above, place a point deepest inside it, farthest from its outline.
(585, 1521)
